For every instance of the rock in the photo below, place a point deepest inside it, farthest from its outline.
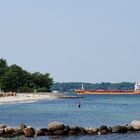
(81, 131)
(110, 129)
(91, 131)
(22, 126)
(136, 125)
(59, 132)
(130, 128)
(18, 132)
(28, 132)
(9, 130)
(31, 128)
(73, 130)
(1, 131)
(40, 132)
(119, 129)
(67, 128)
(54, 126)
(103, 132)
(2, 126)
(45, 130)
(103, 127)
(49, 132)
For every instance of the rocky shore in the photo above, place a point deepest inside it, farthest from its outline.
(58, 128)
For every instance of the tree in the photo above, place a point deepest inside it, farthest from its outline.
(3, 68)
(48, 81)
(41, 81)
(13, 78)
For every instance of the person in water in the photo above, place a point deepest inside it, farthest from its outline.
(79, 105)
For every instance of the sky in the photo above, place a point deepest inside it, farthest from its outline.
(73, 40)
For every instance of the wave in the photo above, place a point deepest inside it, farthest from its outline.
(19, 102)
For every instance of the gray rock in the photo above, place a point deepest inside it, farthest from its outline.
(54, 126)
(91, 131)
(9, 130)
(1, 131)
(59, 132)
(18, 132)
(81, 131)
(2, 126)
(136, 125)
(103, 132)
(72, 132)
(45, 130)
(129, 128)
(40, 132)
(103, 127)
(119, 129)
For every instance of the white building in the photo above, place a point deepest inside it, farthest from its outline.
(137, 86)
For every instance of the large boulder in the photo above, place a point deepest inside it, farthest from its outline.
(1, 132)
(136, 125)
(2, 126)
(54, 126)
(28, 132)
(103, 130)
(129, 128)
(119, 129)
(91, 131)
(40, 132)
(81, 131)
(18, 132)
(103, 127)
(9, 130)
(59, 132)
(73, 130)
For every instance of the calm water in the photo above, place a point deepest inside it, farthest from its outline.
(95, 110)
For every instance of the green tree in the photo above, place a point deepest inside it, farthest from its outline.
(3, 68)
(13, 78)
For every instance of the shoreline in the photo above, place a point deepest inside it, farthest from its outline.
(26, 97)
(33, 97)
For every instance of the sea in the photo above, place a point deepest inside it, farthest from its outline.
(95, 110)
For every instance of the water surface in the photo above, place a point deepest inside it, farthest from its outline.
(95, 110)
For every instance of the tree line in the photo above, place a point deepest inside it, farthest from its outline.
(71, 86)
(15, 79)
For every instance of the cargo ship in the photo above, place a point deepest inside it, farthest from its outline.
(135, 91)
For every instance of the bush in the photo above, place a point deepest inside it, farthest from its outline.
(43, 90)
(25, 89)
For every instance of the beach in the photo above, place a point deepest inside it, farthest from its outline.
(27, 97)
(32, 97)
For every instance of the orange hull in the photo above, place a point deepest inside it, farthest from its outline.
(107, 92)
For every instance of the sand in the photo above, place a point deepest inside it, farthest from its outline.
(26, 97)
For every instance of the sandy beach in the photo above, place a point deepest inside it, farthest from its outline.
(25, 97)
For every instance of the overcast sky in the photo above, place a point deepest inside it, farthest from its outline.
(73, 40)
